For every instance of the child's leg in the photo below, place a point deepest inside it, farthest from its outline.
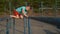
(21, 16)
(15, 14)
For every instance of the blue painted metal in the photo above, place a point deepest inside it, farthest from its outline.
(8, 25)
(13, 25)
(7, 28)
(25, 25)
(29, 26)
(10, 7)
(5, 18)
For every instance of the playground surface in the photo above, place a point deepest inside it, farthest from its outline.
(37, 27)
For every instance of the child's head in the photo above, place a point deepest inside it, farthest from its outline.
(28, 7)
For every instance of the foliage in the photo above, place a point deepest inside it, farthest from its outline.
(34, 3)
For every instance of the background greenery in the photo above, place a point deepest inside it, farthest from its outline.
(4, 4)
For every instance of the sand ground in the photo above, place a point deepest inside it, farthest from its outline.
(37, 27)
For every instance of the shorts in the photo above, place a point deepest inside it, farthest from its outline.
(15, 13)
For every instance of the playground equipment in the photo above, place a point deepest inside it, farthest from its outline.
(9, 21)
(46, 9)
(26, 23)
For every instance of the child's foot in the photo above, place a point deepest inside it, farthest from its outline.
(13, 16)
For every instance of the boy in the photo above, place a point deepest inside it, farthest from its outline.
(20, 12)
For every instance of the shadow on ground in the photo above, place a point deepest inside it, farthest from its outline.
(49, 20)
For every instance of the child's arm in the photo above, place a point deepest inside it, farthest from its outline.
(24, 13)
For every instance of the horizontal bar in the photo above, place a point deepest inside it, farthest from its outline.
(48, 8)
(4, 18)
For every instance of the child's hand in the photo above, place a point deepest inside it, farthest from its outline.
(26, 16)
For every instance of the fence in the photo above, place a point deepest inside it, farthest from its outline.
(47, 10)
(10, 27)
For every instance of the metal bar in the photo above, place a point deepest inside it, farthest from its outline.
(39, 6)
(42, 8)
(10, 7)
(7, 28)
(48, 8)
(25, 25)
(8, 25)
(13, 25)
(4, 18)
(55, 8)
(29, 26)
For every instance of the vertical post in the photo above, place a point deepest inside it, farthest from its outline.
(25, 25)
(13, 25)
(32, 8)
(10, 7)
(0, 30)
(42, 8)
(29, 26)
(8, 20)
(39, 7)
(0, 27)
(7, 27)
(55, 8)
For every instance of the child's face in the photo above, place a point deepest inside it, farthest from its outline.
(27, 8)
